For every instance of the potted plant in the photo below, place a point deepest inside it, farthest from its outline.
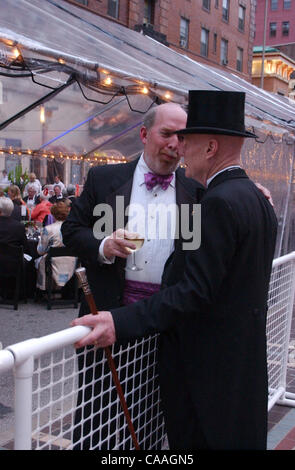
(19, 178)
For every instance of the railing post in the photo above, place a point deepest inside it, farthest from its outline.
(288, 398)
(23, 404)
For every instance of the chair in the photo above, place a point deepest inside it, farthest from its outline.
(12, 268)
(52, 288)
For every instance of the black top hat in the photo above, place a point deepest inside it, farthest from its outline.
(216, 112)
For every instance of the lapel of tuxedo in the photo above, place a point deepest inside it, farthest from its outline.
(119, 198)
(120, 192)
(185, 196)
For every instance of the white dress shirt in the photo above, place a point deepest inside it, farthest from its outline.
(148, 215)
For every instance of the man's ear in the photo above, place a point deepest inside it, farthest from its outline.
(143, 134)
(212, 148)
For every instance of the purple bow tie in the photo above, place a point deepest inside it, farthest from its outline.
(152, 180)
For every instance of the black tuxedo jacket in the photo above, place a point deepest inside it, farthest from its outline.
(54, 199)
(102, 186)
(12, 232)
(37, 199)
(212, 319)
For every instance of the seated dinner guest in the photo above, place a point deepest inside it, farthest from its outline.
(58, 195)
(71, 190)
(32, 199)
(42, 209)
(14, 194)
(12, 232)
(62, 267)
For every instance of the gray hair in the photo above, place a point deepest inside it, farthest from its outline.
(71, 190)
(149, 118)
(31, 186)
(6, 206)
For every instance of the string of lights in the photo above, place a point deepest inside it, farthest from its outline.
(97, 157)
(17, 65)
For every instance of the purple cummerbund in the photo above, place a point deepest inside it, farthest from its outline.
(135, 291)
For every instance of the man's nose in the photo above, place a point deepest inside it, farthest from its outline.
(173, 141)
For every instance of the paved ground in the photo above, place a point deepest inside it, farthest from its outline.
(34, 320)
(31, 320)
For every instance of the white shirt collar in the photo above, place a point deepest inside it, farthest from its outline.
(142, 168)
(221, 171)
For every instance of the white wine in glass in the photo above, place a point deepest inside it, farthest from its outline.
(138, 242)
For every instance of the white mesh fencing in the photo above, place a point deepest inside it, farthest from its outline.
(64, 420)
(67, 400)
(279, 318)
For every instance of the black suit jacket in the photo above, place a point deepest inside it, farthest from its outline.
(37, 199)
(212, 317)
(54, 199)
(12, 232)
(102, 186)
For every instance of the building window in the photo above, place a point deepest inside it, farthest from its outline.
(272, 29)
(149, 11)
(83, 2)
(206, 4)
(274, 5)
(285, 28)
(184, 24)
(214, 43)
(240, 59)
(242, 15)
(204, 42)
(113, 8)
(216, 4)
(287, 4)
(225, 10)
(224, 52)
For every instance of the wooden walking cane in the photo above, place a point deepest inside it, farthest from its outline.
(81, 274)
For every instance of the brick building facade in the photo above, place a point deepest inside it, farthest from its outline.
(216, 32)
(280, 29)
(274, 19)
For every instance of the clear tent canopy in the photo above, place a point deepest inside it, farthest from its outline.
(74, 88)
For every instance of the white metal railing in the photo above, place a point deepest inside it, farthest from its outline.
(47, 386)
(279, 319)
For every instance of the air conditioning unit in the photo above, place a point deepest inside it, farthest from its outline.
(224, 62)
(183, 42)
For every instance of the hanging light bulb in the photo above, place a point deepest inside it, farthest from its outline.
(107, 81)
(145, 90)
(15, 52)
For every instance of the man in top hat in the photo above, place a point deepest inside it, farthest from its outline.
(212, 313)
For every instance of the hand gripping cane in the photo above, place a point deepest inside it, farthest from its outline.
(81, 274)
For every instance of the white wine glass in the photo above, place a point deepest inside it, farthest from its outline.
(138, 242)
